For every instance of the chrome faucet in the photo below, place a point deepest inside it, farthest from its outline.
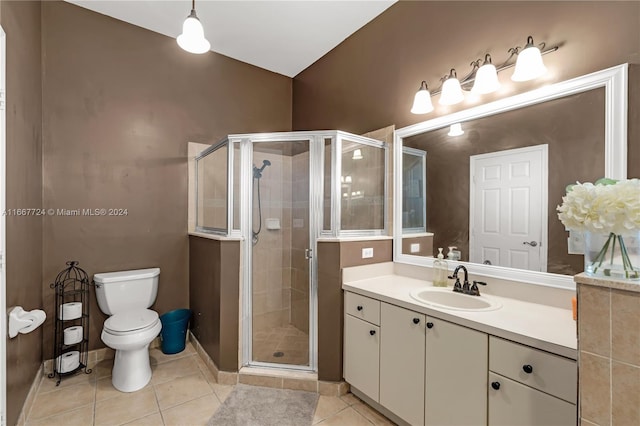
(465, 288)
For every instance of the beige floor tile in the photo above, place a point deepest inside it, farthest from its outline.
(105, 389)
(348, 416)
(126, 407)
(181, 390)
(80, 417)
(48, 385)
(350, 399)
(221, 391)
(156, 355)
(173, 369)
(328, 406)
(103, 368)
(61, 400)
(192, 413)
(152, 420)
(372, 415)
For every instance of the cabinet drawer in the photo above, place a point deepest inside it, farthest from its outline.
(362, 307)
(549, 373)
(514, 404)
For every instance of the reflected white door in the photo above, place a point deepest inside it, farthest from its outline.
(508, 208)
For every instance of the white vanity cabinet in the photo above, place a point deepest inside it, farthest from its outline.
(456, 374)
(530, 387)
(362, 344)
(402, 355)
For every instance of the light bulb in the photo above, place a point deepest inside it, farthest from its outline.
(422, 101)
(192, 38)
(486, 80)
(451, 90)
(529, 64)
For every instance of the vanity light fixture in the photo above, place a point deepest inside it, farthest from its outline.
(486, 80)
(192, 38)
(484, 76)
(455, 130)
(357, 155)
(451, 90)
(529, 64)
(422, 101)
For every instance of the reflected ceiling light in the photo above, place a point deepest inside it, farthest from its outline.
(529, 64)
(486, 78)
(422, 101)
(192, 38)
(357, 155)
(455, 130)
(451, 90)
(348, 179)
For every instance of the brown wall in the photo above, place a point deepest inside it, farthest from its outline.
(21, 23)
(120, 105)
(332, 257)
(370, 79)
(214, 298)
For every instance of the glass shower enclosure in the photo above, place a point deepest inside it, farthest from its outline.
(279, 193)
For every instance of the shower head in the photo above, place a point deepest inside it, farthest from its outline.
(257, 172)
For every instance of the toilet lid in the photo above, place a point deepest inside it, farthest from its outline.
(131, 320)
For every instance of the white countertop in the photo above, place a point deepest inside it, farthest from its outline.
(544, 327)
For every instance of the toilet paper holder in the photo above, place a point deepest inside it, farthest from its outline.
(21, 321)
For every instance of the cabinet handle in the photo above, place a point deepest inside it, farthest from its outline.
(527, 368)
(359, 308)
(372, 332)
(429, 325)
(495, 385)
(416, 320)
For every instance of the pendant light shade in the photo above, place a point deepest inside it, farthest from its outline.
(451, 90)
(422, 101)
(529, 64)
(357, 155)
(455, 130)
(486, 80)
(192, 38)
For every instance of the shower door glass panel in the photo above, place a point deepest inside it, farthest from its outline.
(280, 268)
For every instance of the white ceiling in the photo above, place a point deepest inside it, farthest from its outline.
(281, 36)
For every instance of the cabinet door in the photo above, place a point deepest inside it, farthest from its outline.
(402, 362)
(514, 404)
(456, 375)
(362, 356)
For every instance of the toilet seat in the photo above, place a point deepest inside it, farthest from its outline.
(131, 321)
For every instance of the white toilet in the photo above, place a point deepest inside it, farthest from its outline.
(131, 327)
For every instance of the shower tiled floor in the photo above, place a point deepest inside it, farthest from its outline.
(291, 344)
(182, 392)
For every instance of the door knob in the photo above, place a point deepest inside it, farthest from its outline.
(527, 368)
(359, 308)
(416, 320)
(372, 332)
(429, 325)
(531, 243)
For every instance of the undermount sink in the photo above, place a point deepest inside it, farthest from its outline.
(445, 298)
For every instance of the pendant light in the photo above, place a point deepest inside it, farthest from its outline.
(455, 130)
(192, 38)
(451, 90)
(357, 155)
(422, 101)
(486, 80)
(529, 64)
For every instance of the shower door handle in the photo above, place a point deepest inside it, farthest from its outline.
(308, 253)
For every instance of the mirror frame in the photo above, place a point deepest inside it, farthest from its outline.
(614, 80)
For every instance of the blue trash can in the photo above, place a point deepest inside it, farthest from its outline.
(174, 330)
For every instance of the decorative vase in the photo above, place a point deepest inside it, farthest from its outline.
(612, 255)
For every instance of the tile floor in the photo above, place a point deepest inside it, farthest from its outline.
(288, 340)
(182, 392)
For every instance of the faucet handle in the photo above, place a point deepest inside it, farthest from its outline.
(457, 287)
(474, 291)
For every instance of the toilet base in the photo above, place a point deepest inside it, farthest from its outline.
(131, 369)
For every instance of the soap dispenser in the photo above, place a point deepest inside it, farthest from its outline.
(440, 270)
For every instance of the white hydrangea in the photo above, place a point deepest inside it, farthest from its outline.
(602, 208)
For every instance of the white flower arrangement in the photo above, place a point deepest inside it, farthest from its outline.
(606, 207)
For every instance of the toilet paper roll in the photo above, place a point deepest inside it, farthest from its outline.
(72, 335)
(71, 310)
(68, 361)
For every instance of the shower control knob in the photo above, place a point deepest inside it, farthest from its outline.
(416, 320)
(359, 308)
(372, 332)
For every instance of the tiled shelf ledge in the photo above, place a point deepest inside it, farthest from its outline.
(613, 283)
(214, 236)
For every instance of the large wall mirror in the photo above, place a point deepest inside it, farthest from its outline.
(492, 191)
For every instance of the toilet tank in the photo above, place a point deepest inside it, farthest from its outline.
(126, 290)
